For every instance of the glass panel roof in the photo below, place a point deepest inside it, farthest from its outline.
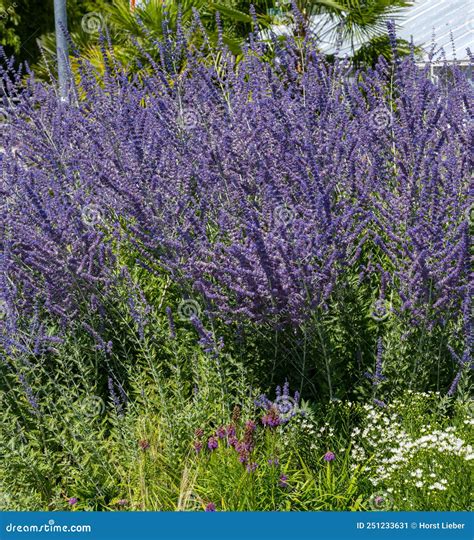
(442, 18)
(423, 20)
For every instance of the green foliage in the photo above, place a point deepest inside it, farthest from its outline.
(362, 24)
(115, 429)
(9, 21)
(422, 458)
(80, 445)
(24, 23)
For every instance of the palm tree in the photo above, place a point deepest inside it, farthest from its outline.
(142, 25)
(359, 26)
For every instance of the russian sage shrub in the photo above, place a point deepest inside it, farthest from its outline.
(273, 191)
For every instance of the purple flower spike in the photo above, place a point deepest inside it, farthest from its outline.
(212, 443)
(72, 501)
(283, 481)
(232, 441)
(210, 507)
(250, 425)
(221, 432)
(380, 403)
(243, 457)
(144, 444)
(271, 419)
(252, 467)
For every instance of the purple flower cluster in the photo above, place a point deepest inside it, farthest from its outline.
(120, 399)
(261, 188)
(282, 409)
(197, 445)
(252, 467)
(212, 443)
(210, 507)
(377, 377)
(144, 444)
(271, 418)
(329, 456)
(243, 446)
